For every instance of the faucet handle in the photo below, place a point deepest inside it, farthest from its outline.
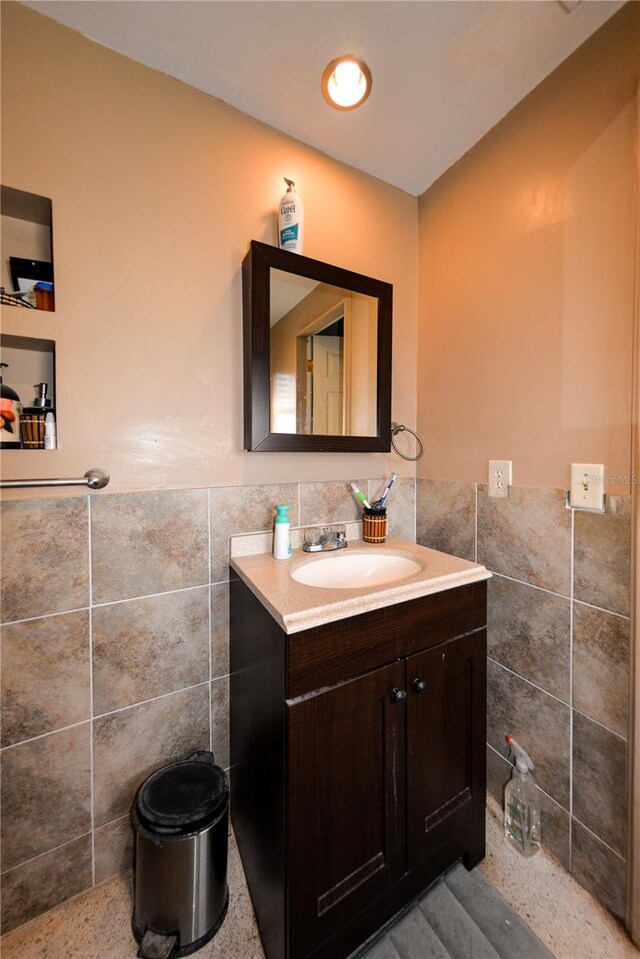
(313, 539)
(323, 538)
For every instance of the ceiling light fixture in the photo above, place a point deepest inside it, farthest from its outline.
(346, 83)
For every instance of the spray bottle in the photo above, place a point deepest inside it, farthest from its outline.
(522, 804)
(282, 533)
(291, 220)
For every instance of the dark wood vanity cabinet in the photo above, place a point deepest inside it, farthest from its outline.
(358, 763)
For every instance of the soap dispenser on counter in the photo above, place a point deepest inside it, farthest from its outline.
(282, 533)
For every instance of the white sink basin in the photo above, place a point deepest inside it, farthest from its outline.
(353, 571)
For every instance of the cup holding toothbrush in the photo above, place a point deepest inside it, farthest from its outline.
(374, 524)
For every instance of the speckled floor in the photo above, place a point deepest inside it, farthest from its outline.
(564, 915)
(95, 925)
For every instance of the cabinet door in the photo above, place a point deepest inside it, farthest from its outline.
(445, 742)
(346, 802)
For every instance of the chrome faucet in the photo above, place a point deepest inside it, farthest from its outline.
(323, 540)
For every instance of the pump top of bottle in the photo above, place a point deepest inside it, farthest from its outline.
(42, 401)
(282, 514)
(523, 761)
(290, 185)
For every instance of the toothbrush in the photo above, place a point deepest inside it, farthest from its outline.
(388, 488)
(360, 496)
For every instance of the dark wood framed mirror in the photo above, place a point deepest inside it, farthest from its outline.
(317, 355)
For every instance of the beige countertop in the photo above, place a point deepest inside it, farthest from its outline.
(296, 607)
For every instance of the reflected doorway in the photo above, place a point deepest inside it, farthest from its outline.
(324, 395)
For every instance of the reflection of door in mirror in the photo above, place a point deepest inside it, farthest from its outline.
(323, 346)
(321, 404)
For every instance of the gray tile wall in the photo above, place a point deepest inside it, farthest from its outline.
(558, 648)
(115, 660)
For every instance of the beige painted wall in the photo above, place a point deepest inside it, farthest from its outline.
(527, 260)
(157, 190)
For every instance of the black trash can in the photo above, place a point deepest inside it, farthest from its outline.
(180, 818)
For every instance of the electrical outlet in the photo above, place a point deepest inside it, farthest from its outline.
(499, 477)
(587, 486)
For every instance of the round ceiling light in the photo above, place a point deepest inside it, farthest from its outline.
(346, 83)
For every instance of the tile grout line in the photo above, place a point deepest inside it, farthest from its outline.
(563, 702)
(111, 712)
(112, 602)
(165, 592)
(210, 601)
(91, 757)
(47, 852)
(601, 609)
(528, 681)
(51, 732)
(475, 485)
(144, 702)
(571, 714)
(568, 597)
(32, 619)
(599, 839)
(542, 589)
(597, 722)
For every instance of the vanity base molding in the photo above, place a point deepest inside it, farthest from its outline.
(357, 763)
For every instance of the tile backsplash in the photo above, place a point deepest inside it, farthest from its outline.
(115, 660)
(558, 649)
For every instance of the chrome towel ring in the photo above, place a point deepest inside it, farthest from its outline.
(398, 428)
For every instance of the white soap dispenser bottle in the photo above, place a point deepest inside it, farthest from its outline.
(291, 220)
(282, 533)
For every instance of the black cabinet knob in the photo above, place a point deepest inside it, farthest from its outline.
(398, 695)
(419, 686)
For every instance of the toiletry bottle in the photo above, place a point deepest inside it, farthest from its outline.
(291, 220)
(522, 811)
(42, 401)
(44, 296)
(282, 533)
(50, 436)
(10, 410)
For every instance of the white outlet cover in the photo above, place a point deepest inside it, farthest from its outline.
(500, 472)
(587, 486)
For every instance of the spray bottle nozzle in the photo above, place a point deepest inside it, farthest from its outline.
(523, 761)
(290, 185)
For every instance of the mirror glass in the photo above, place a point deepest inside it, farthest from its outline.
(323, 343)
(317, 355)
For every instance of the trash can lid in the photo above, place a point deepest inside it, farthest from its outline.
(183, 796)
